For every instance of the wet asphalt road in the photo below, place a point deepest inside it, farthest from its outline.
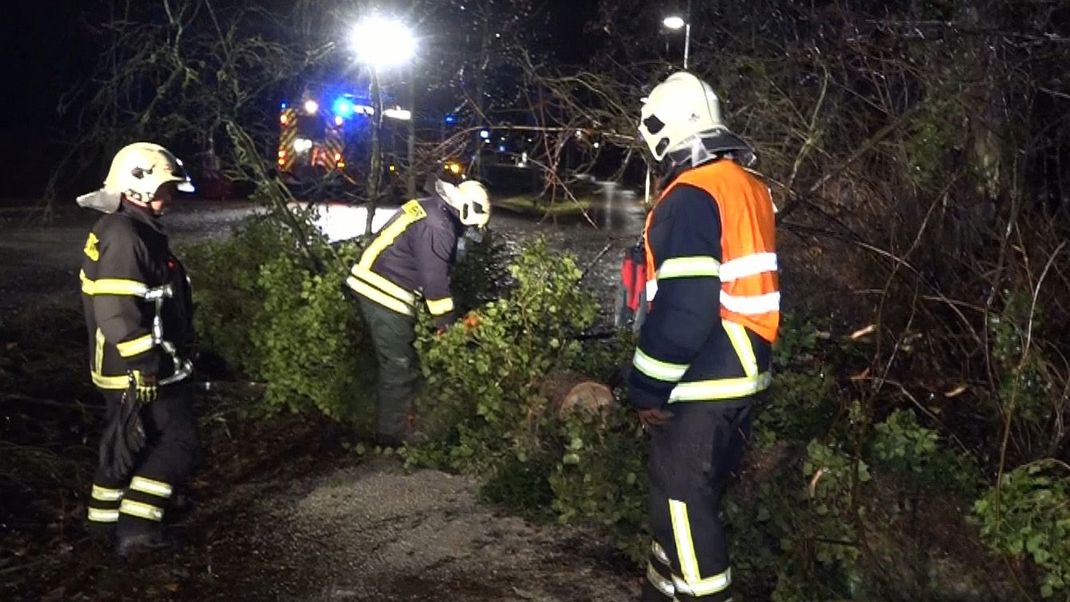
(39, 261)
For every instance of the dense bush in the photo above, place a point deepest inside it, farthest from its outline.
(309, 339)
(482, 391)
(276, 310)
(1028, 515)
(486, 409)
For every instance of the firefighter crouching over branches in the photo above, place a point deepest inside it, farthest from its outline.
(138, 313)
(410, 259)
(704, 349)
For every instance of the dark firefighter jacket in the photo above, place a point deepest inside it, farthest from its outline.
(712, 270)
(126, 261)
(411, 258)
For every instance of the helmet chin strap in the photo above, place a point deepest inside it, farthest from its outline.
(134, 198)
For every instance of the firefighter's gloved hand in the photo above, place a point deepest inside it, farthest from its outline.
(144, 387)
(654, 418)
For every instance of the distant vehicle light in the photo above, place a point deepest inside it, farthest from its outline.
(311, 107)
(393, 168)
(501, 148)
(484, 134)
(343, 108)
(283, 119)
(453, 167)
(302, 145)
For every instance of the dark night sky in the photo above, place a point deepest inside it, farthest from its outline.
(47, 46)
(50, 45)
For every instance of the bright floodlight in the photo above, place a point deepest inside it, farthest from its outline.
(673, 22)
(398, 113)
(311, 106)
(383, 42)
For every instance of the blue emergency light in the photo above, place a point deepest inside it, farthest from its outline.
(451, 119)
(343, 107)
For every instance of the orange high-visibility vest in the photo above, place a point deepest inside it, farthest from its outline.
(750, 294)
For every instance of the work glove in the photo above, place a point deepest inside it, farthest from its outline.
(144, 386)
(653, 418)
(124, 436)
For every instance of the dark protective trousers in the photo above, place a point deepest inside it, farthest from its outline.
(399, 368)
(137, 503)
(690, 462)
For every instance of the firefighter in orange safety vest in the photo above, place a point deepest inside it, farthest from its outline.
(704, 349)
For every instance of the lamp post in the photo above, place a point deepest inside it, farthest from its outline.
(381, 43)
(675, 22)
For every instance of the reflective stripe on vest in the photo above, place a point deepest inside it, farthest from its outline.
(750, 294)
(375, 287)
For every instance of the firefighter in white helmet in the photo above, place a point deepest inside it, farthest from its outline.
(409, 261)
(138, 313)
(704, 349)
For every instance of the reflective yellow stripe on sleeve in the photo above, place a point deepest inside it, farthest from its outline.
(135, 346)
(112, 286)
(439, 307)
(689, 267)
(111, 383)
(657, 369)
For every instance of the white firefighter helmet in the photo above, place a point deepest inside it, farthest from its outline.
(676, 111)
(139, 169)
(470, 198)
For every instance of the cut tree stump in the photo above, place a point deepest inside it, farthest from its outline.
(571, 391)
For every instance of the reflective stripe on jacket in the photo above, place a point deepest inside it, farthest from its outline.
(126, 262)
(715, 303)
(411, 258)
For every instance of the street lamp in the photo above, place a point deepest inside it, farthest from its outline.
(381, 43)
(675, 22)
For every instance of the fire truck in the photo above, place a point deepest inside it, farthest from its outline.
(325, 140)
(324, 135)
